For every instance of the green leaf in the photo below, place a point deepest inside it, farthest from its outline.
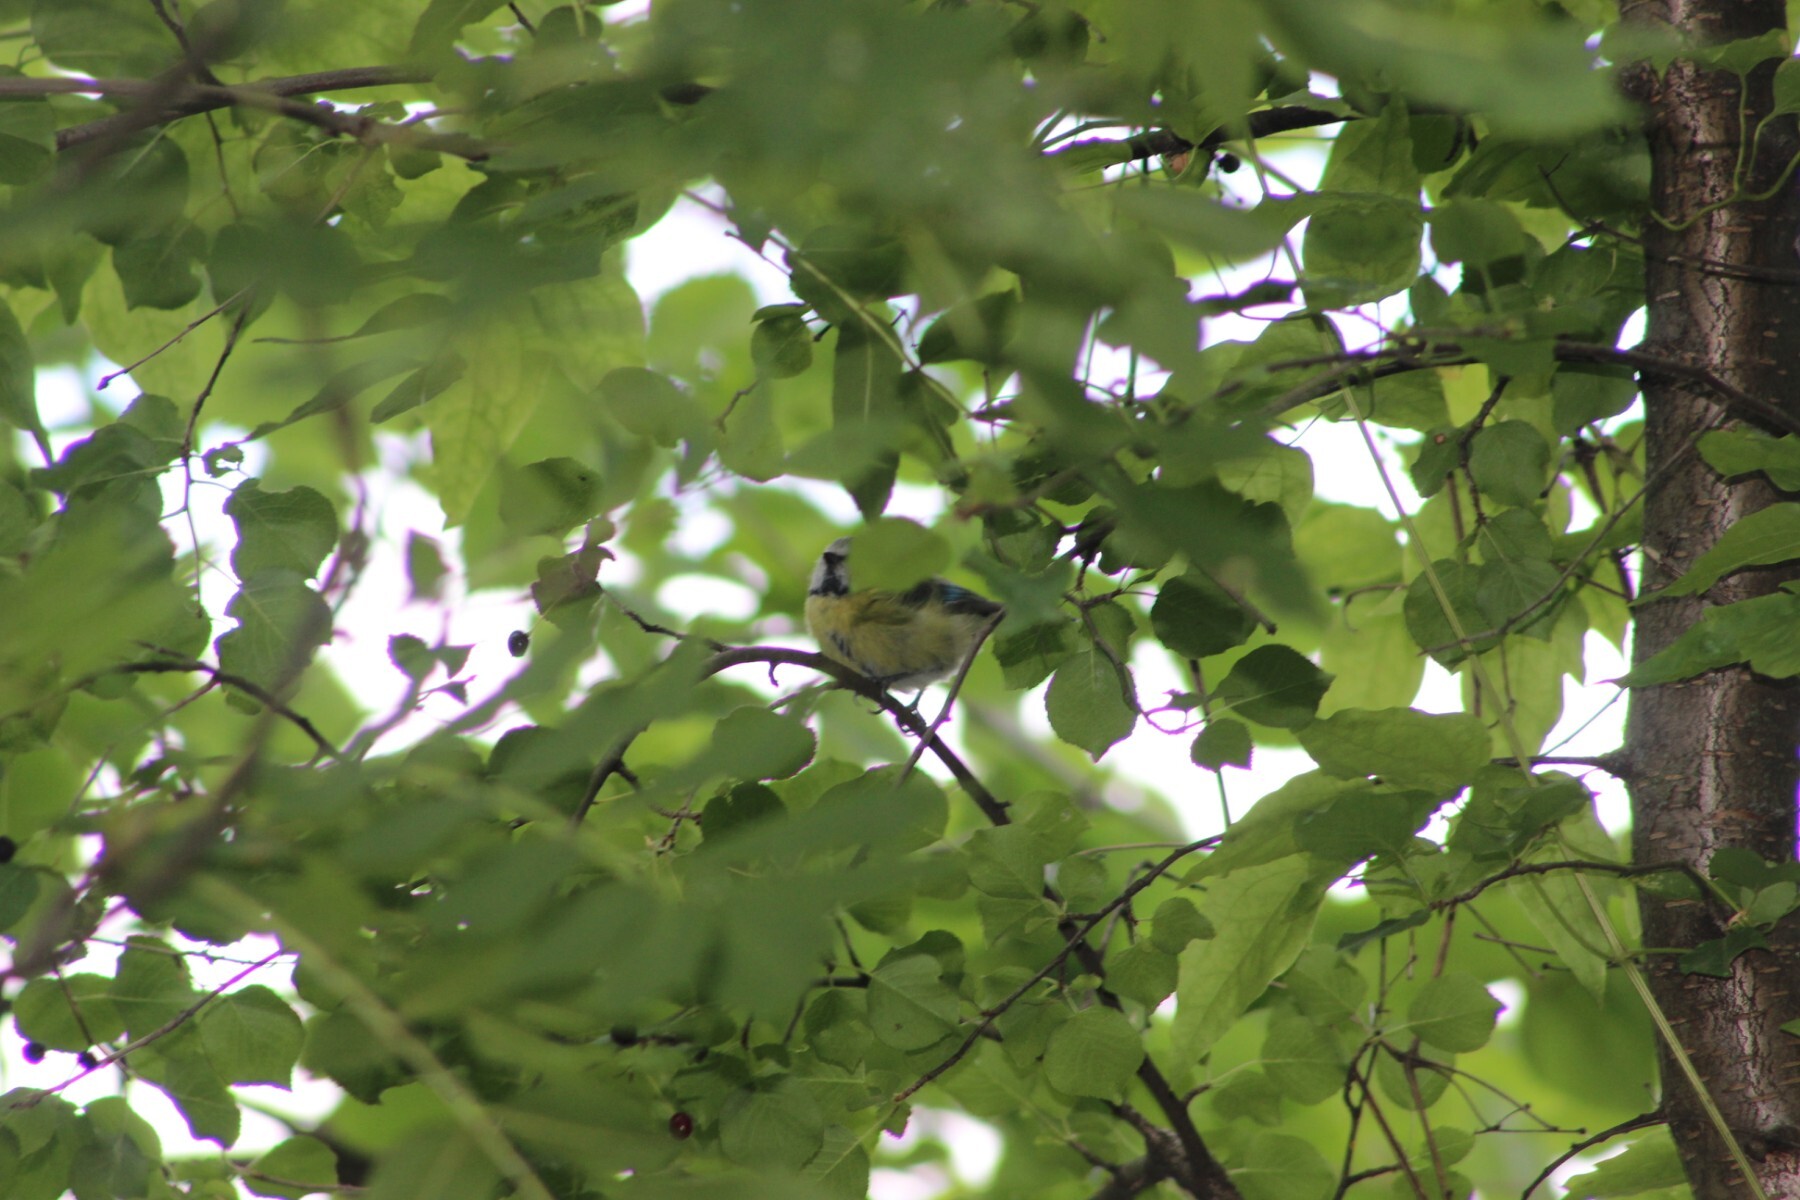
(1716, 956)
(341, 1048)
(1650, 1163)
(158, 270)
(339, 390)
(781, 347)
(38, 789)
(894, 553)
(420, 387)
(1197, 618)
(1558, 906)
(151, 987)
(866, 415)
(1411, 1084)
(442, 23)
(840, 1170)
(301, 1160)
(1742, 451)
(71, 1013)
(1374, 157)
(1581, 394)
(977, 329)
(1507, 461)
(1263, 916)
(1247, 1095)
(1326, 987)
(1404, 747)
(1431, 629)
(753, 743)
(19, 886)
(1274, 685)
(1453, 1012)
(18, 380)
(775, 1129)
(425, 567)
(1758, 631)
(1382, 820)
(433, 1160)
(1518, 590)
(1414, 401)
(1091, 703)
(280, 623)
(1266, 832)
(27, 136)
(1360, 248)
(1026, 658)
(1142, 972)
(1787, 86)
(1303, 1059)
(1008, 861)
(742, 808)
(1477, 232)
(1278, 1166)
(280, 531)
(1516, 535)
(548, 497)
(1224, 742)
(1094, 1053)
(181, 1070)
(649, 405)
(1770, 535)
(1214, 228)
(1177, 922)
(102, 37)
(910, 1005)
(252, 1036)
(837, 265)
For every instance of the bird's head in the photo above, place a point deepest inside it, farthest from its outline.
(831, 577)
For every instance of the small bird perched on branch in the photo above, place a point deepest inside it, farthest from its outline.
(901, 640)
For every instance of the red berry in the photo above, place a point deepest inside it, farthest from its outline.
(681, 1126)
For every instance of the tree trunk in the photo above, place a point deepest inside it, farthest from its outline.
(1712, 760)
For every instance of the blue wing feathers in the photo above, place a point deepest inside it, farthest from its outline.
(952, 596)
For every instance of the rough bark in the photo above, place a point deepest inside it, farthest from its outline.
(1712, 760)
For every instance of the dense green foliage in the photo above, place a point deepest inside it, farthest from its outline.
(653, 912)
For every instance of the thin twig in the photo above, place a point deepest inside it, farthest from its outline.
(1056, 960)
(191, 102)
(1641, 1121)
(161, 1031)
(949, 700)
(1622, 870)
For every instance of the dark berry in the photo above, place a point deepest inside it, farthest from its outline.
(681, 1127)
(517, 643)
(34, 1052)
(624, 1035)
(8, 848)
(1229, 163)
(87, 1060)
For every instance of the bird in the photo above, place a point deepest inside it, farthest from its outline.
(901, 640)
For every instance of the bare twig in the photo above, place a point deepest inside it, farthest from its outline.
(1071, 941)
(191, 101)
(949, 700)
(165, 1029)
(1641, 1121)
